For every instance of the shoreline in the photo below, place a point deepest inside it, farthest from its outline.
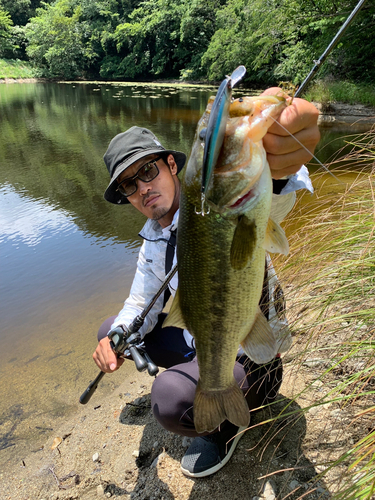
(340, 115)
(337, 115)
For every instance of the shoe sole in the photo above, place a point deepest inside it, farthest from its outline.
(221, 464)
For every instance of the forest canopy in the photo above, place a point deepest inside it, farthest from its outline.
(188, 39)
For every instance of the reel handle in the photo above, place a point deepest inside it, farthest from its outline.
(139, 360)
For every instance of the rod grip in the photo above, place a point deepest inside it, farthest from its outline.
(86, 395)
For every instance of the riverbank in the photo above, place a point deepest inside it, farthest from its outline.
(15, 69)
(114, 447)
(331, 114)
(339, 115)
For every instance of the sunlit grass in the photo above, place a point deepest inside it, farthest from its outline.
(329, 282)
(327, 92)
(10, 68)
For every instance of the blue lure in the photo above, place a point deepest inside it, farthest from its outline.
(213, 135)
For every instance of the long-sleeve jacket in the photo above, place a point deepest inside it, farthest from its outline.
(150, 273)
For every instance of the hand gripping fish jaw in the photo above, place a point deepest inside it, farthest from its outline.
(213, 136)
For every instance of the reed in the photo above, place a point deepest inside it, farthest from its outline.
(329, 281)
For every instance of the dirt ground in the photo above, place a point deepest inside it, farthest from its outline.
(115, 447)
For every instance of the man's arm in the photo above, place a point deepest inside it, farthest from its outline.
(144, 287)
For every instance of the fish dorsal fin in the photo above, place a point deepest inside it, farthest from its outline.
(260, 344)
(243, 243)
(174, 317)
(275, 240)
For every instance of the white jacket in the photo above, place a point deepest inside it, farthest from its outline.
(150, 273)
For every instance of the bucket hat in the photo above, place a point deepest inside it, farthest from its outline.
(127, 148)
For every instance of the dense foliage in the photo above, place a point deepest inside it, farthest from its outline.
(189, 39)
(5, 31)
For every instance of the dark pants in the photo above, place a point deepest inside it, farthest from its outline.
(173, 391)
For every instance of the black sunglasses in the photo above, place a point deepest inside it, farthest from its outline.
(146, 173)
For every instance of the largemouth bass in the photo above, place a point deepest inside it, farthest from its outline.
(221, 259)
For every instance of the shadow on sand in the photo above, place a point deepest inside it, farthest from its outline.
(270, 451)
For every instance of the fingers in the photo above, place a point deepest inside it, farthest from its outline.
(105, 358)
(297, 116)
(287, 153)
(280, 145)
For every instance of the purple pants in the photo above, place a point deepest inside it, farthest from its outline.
(173, 391)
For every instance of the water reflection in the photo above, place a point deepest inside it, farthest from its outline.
(67, 256)
(27, 222)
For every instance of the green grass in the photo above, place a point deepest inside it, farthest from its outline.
(330, 291)
(14, 68)
(347, 92)
(332, 269)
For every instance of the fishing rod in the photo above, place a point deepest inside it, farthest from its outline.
(330, 47)
(129, 339)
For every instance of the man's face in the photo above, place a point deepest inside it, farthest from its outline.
(159, 198)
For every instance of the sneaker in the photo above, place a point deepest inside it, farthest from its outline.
(208, 454)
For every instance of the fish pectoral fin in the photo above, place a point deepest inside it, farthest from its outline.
(211, 408)
(260, 344)
(276, 240)
(174, 317)
(243, 243)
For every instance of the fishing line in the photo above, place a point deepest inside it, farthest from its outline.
(305, 148)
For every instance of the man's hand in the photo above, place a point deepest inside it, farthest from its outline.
(284, 154)
(105, 358)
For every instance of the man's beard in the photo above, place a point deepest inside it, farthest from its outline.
(159, 212)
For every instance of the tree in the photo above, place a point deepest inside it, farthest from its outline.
(20, 12)
(5, 31)
(198, 25)
(55, 41)
(166, 37)
(279, 39)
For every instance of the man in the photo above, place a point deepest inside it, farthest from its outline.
(144, 174)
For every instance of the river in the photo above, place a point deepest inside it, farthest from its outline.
(67, 257)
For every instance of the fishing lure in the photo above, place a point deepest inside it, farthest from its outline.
(213, 135)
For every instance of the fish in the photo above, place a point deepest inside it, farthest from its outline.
(221, 258)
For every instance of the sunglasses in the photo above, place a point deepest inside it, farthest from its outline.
(146, 173)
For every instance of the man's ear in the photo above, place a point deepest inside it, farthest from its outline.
(172, 164)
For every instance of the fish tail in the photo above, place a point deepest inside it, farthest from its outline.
(211, 408)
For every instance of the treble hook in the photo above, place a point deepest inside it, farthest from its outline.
(203, 212)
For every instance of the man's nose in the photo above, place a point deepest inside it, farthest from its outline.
(143, 187)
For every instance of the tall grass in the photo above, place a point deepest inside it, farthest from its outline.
(326, 92)
(330, 291)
